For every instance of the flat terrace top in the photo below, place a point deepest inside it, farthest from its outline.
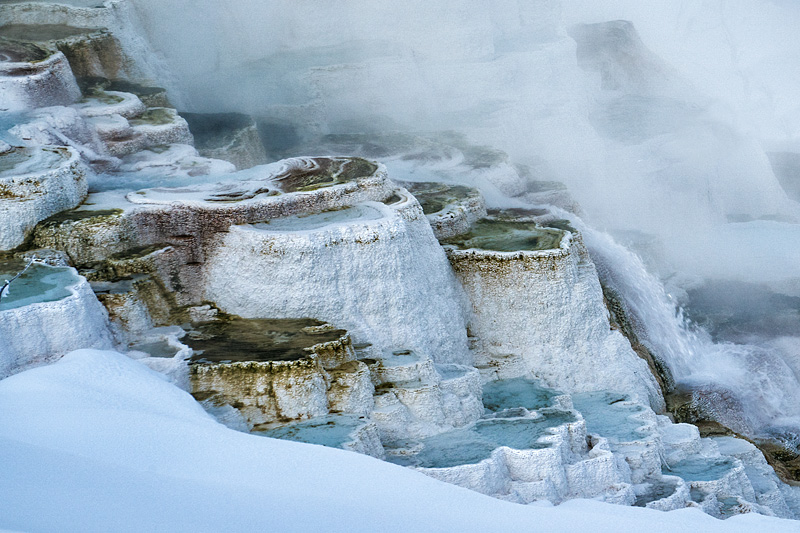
(40, 283)
(235, 339)
(23, 160)
(476, 443)
(336, 217)
(506, 236)
(309, 174)
(41, 32)
(12, 51)
(435, 197)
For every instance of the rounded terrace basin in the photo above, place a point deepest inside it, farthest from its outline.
(476, 443)
(701, 468)
(13, 51)
(435, 197)
(357, 213)
(36, 182)
(304, 174)
(506, 236)
(32, 76)
(517, 392)
(47, 312)
(21, 160)
(610, 415)
(332, 430)
(40, 283)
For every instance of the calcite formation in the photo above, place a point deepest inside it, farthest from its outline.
(538, 308)
(374, 268)
(36, 182)
(317, 299)
(451, 209)
(270, 370)
(32, 77)
(45, 313)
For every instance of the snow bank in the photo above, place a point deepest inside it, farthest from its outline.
(98, 442)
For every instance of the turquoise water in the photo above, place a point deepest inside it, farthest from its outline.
(332, 431)
(474, 444)
(40, 283)
(657, 491)
(607, 415)
(320, 220)
(701, 469)
(517, 392)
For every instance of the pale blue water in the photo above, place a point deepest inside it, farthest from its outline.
(517, 392)
(474, 444)
(320, 220)
(607, 416)
(40, 283)
(700, 469)
(332, 431)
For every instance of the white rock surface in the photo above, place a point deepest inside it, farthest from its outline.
(546, 307)
(26, 85)
(375, 270)
(42, 332)
(34, 184)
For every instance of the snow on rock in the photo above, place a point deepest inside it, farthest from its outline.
(47, 312)
(133, 452)
(35, 183)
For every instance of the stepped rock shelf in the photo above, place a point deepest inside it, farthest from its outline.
(317, 299)
(47, 312)
(36, 182)
(538, 307)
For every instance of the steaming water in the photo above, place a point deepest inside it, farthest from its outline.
(664, 135)
(759, 383)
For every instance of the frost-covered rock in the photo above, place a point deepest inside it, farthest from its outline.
(34, 184)
(47, 312)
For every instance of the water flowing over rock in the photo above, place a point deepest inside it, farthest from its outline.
(344, 241)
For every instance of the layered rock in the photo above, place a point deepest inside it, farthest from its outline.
(45, 313)
(270, 370)
(90, 51)
(36, 182)
(538, 308)
(32, 77)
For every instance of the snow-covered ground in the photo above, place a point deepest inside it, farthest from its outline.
(98, 442)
